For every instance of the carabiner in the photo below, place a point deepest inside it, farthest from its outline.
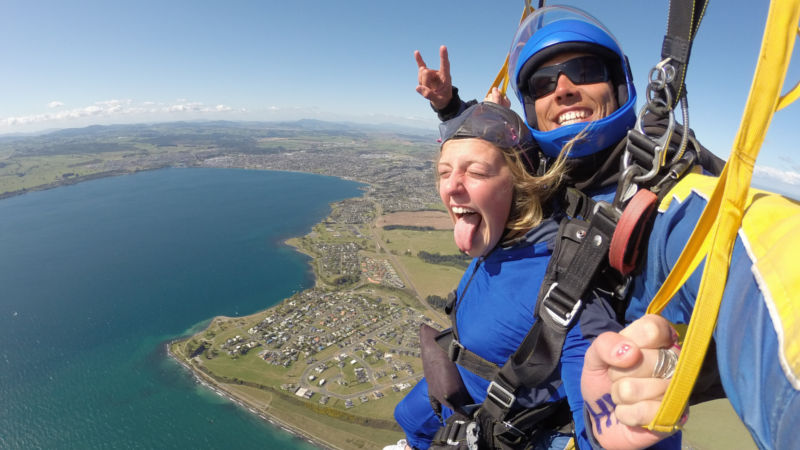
(659, 150)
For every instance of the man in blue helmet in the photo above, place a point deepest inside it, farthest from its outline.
(581, 49)
(760, 369)
(574, 84)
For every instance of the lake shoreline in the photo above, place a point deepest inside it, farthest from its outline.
(259, 410)
(216, 387)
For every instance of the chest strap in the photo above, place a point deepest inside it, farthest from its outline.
(579, 260)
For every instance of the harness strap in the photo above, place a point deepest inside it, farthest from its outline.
(568, 278)
(665, 90)
(580, 253)
(623, 254)
(464, 357)
(683, 23)
(577, 204)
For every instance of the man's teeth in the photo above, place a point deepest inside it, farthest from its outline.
(461, 210)
(572, 117)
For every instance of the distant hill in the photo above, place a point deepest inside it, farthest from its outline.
(398, 158)
(302, 124)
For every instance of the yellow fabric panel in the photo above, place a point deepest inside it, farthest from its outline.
(771, 233)
(770, 226)
(702, 184)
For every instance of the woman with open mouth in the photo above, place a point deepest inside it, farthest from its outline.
(505, 218)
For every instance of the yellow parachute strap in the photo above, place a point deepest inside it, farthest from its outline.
(722, 216)
(501, 80)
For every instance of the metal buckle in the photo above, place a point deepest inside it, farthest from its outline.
(621, 291)
(661, 145)
(455, 350)
(563, 321)
(626, 188)
(452, 435)
(494, 389)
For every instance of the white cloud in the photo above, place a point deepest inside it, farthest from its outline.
(784, 176)
(109, 110)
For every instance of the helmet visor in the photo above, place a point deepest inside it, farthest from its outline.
(540, 19)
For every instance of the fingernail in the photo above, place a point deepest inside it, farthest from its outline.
(676, 346)
(684, 419)
(675, 336)
(624, 348)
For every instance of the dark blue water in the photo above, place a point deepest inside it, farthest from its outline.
(96, 277)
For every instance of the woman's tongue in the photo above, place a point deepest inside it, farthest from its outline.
(464, 230)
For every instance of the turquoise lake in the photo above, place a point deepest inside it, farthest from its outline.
(96, 277)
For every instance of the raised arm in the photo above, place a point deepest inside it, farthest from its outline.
(435, 84)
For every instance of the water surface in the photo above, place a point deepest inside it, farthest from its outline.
(95, 277)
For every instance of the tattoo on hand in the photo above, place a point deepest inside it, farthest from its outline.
(606, 406)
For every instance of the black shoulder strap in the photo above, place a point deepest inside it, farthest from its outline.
(581, 250)
(683, 23)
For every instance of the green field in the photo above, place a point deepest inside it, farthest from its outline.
(429, 279)
(31, 172)
(715, 426)
(435, 241)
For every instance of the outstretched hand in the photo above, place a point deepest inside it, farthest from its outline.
(618, 385)
(435, 85)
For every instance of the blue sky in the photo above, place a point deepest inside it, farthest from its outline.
(69, 64)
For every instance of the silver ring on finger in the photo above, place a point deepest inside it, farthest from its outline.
(666, 363)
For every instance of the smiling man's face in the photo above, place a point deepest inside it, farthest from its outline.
(573, 103)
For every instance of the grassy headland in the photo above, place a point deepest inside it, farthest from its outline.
(332, 361)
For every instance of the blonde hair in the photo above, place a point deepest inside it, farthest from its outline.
(530, 192)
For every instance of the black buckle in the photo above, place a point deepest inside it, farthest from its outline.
(560, 315)
(500, 395)
(452, 432)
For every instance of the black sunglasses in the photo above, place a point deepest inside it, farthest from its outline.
(581, 70)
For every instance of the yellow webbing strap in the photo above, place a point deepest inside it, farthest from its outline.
(501, 80)
(722, 216)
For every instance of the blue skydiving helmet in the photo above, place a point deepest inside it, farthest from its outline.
(555, 30)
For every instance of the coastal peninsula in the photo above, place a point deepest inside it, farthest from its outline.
(331, 362)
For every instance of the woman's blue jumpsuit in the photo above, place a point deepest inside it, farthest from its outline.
(494, 314)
